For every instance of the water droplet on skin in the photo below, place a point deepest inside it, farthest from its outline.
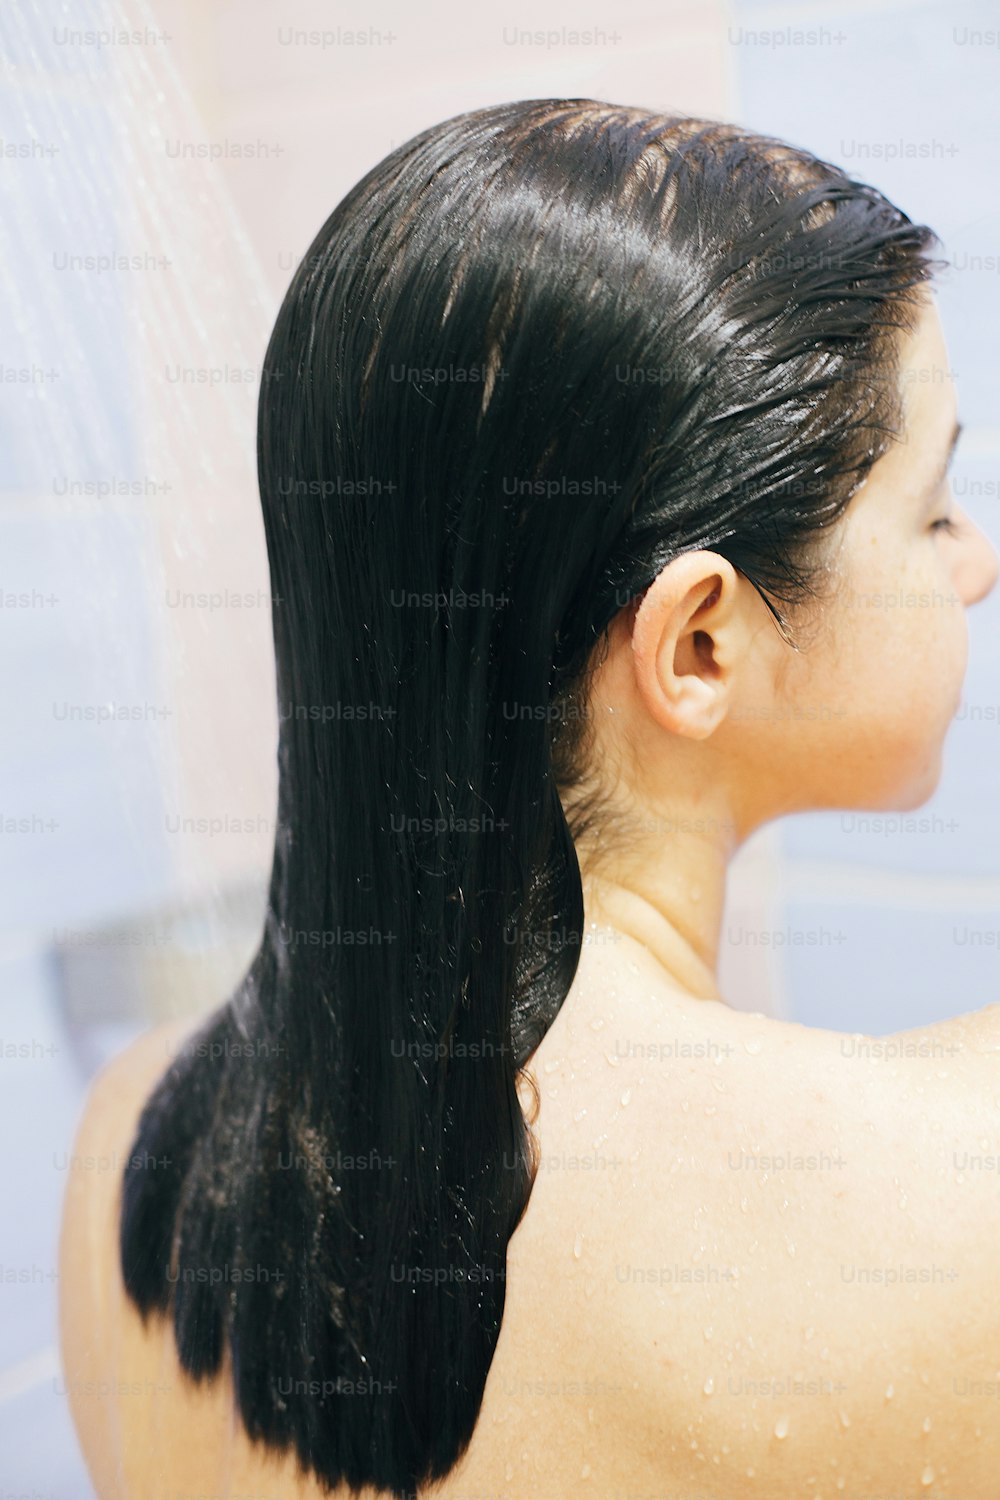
(709, 1386)
(889, 1392)
(551, 1093)
(613, 1061)
(578, 1115)
(752, 1045)
(710, 1109)
(508, 1472)
(845, 1420)
(578, 1247)
(685, 1105)
(750, 1473)
(927, 1477)
(585, 1472)
(718, 1085)
(790, 1246)
(809, 1333)
(781, 1427)
(707, 1332)
(597, 1023)
(926, 1424)
(551, 1065)
(626, 1096)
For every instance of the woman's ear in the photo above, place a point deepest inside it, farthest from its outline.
(688, 636)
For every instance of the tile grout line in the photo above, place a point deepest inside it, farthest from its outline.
(28, 1373)
(828, 880)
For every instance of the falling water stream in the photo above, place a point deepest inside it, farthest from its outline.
(140, 685)
(140, 723)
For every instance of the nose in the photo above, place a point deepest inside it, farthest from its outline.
(977, 565)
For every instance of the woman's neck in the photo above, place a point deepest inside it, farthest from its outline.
(675, 919)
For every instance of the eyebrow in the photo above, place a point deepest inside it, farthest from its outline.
(942, 468)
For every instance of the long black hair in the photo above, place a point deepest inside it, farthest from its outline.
(536, 352)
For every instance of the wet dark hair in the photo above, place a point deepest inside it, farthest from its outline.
(634, 335)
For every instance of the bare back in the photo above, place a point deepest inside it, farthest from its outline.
(755, 1254)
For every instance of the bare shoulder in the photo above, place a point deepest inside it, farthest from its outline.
(832, 1199)
(139, 1064)
(88, 1236)
(109, 1117)
(974, 1031)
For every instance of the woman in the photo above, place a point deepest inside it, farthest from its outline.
(592, 442)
